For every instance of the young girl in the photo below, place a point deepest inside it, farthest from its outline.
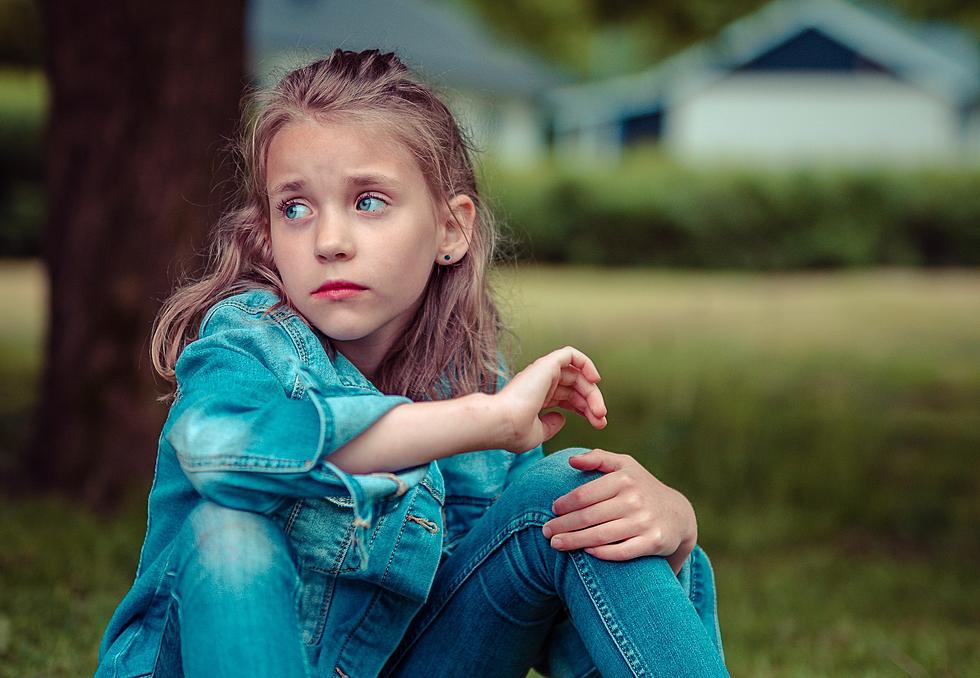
(347, 483)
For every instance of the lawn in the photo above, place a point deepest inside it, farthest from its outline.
(825, 427)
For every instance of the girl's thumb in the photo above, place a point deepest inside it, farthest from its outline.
(552, 422)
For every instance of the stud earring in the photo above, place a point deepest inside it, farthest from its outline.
(447, 257)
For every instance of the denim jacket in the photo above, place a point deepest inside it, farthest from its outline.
(259, 408)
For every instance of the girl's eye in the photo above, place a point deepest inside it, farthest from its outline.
(370, 203)
(292, 210)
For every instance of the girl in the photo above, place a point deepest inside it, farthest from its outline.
(347, 484)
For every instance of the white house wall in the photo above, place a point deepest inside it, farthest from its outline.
(813, 116)
(510, 128)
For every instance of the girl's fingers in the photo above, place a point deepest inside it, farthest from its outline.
(569, 355)
(597, 535)
(572, 400)
(624, 550)
(589, 493)
(586, 388)
(595, 514)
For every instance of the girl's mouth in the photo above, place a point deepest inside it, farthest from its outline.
(336, 293)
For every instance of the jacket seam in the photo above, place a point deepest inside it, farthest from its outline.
(242, 461)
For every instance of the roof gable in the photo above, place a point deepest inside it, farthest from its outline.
(786, 35)
(812, 50)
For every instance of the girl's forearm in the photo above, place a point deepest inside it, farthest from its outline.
(416, 433)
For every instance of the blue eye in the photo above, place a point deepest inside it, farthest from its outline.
(370, 203)
(290, 210)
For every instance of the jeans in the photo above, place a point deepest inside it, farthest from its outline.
(502, 602)
(505, 601)
(233, 608)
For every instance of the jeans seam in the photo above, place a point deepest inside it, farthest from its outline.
(173, 606)
(622, 643)
(142, 622)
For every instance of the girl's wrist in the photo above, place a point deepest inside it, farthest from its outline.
(496, 428)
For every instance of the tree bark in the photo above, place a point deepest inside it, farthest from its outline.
(143, 95)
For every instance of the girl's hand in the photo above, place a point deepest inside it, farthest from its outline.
(624, 514)
(563, 378)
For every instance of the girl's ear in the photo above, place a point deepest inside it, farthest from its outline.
(456, 229)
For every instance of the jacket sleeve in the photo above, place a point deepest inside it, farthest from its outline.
(247, 441)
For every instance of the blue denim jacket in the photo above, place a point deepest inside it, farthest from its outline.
(259, 408)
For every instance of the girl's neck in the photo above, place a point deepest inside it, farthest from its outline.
(366, 362)
(366, 365)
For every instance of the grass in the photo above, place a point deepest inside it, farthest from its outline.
(825, 426)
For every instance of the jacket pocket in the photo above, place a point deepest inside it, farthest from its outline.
(321, 532)
(314, 603)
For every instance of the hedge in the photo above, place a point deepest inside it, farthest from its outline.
(652, 211)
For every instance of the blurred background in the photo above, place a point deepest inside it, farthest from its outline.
(761, 220)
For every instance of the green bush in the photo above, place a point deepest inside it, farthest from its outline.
(23, 96)
(651, 211)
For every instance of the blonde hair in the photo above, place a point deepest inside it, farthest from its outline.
(451, 347)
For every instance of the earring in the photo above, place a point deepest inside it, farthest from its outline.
(447, 257)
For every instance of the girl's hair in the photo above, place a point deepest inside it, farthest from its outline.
(451, 347)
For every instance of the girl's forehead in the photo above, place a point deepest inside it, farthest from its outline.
(338, 144)
(343, 138)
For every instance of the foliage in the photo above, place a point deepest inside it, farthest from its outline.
(24, 95)
(21, 39)
(649, 210)
(591, 37)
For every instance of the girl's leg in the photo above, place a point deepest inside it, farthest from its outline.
(495, 600)
(233, 610)
(565, 655)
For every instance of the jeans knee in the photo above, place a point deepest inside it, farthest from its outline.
(235, 548)
(551, 477)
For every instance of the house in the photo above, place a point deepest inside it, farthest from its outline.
(494, 88)
(796, 81)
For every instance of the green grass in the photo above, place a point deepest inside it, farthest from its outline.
(824, 426)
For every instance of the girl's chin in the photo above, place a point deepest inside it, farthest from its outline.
(345, 334)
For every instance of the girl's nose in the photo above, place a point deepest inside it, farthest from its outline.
(333, 239)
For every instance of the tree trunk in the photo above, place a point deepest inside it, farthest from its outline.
(143, 95)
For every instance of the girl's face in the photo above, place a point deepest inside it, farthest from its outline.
(349, 203)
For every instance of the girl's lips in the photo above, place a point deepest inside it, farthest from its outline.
(337, 293)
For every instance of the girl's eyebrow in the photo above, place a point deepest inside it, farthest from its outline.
(358, 180)
(289, 187)
(362, 180)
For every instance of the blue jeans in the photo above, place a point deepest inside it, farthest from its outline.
(233, 608)
(504, 601)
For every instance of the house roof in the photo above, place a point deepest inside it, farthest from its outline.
(445, 45)
(938, 58)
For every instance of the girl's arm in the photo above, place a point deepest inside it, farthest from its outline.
(251, 430)
(510, 419)
(418, 432)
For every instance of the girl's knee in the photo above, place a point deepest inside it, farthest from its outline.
(552, 477)
(235, 548)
